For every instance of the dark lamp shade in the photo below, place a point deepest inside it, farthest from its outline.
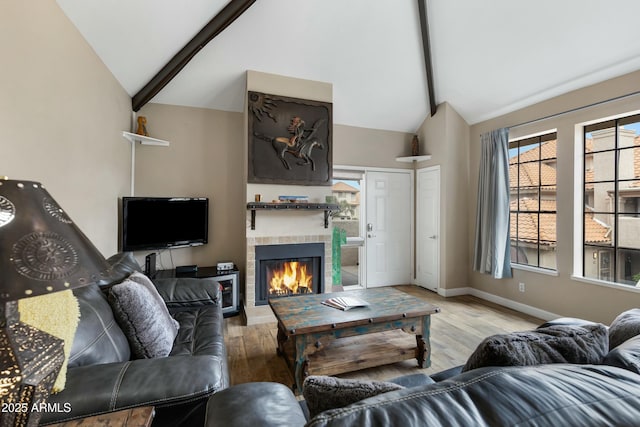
(41, 249)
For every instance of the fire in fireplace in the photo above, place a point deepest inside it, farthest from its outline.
(290, 277)
(288, 270)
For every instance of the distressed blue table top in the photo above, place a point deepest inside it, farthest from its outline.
(305, 313)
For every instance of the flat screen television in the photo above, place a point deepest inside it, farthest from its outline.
(164, 222)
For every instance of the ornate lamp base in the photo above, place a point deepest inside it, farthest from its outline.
(29, 364)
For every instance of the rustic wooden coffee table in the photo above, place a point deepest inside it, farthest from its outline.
(316, 339)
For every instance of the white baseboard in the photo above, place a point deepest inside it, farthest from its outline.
(455, 292)
(514, 305)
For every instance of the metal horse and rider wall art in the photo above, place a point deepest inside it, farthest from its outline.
(300, 144)
(302, 157)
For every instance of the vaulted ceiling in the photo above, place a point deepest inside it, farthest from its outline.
(489, 57)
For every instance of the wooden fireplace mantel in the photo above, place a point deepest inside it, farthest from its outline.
(326, 207)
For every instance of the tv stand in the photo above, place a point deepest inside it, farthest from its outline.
(185, 270)
(227, 280)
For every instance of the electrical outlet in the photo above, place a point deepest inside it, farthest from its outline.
(521, 287)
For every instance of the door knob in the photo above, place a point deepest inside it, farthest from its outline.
(432, 237)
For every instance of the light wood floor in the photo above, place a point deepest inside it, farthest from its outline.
(455, 332)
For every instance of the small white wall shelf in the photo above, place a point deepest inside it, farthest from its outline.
(409, 159)
(144, 140)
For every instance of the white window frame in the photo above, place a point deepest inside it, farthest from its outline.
(527, 267)
(578, 190)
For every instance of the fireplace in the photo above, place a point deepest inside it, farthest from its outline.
(288, 270)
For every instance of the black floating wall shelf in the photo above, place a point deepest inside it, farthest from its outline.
(326, 207)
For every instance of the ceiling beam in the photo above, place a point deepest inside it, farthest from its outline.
(424, 28)
(222, 20)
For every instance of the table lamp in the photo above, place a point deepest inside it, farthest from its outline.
(41, 252)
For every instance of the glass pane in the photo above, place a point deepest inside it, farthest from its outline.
(598, 263)
(629, 197)
(627, 134)
(603, 139)
(346, 194)
(530, 255)
(599, 197)
(547, 175)
(548, 202)
(548, 257)
(529, 152)
(548, 150)
(548, 241)
(513, 201)
(629, 231)
(548, 230)
(604, 166)
(350, 265)
(629, 163)
(524, 239)
(513, 227)
(628, 271)
(518, 255)
(596, 230)
(513, 175)
(529, 202)
(528, 227)
(529, 175)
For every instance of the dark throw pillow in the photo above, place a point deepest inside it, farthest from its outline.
(144, 318)
(625, 355)
(623, 327)
(586, 344)
(322, 393)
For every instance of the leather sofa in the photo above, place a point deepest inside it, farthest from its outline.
(606, 394)
(102, 376)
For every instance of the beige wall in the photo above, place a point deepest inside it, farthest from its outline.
(558, 294)
(203, 160)
(356, 146)
(61, 117)
(444, 136)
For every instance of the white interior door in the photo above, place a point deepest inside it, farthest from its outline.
(388, 228)
(428, 228)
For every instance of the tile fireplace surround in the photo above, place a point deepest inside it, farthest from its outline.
(263, 314)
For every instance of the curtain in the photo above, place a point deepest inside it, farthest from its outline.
(492, 248)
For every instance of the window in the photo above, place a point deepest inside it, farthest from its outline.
(532, 203)
(611, 214)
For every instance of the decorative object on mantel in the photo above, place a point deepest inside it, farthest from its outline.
(290, 140)
(415, 146)
(294, 199)
(142, 126)
(45, 253)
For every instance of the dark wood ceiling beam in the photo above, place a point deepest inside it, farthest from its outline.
(424, 28)
(222, 20)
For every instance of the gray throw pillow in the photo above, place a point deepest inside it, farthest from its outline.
(147, 283)
(623, 327)
(323, 393)
(586, 344)
(144, 318)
